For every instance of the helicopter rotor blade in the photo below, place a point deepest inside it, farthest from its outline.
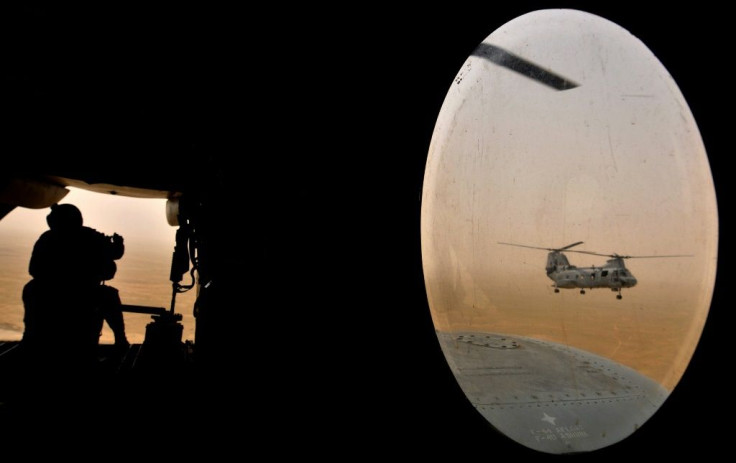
(614, 255)
(652, 257)
(595, 253)
(630, 257)
(546, 249)
(525, 246)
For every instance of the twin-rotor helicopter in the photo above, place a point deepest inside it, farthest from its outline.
(613, 274)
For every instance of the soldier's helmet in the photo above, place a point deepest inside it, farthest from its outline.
(64, 217)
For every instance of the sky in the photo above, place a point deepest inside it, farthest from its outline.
(133, 218)
(616, 162)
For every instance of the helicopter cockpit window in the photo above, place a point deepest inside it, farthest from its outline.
(589, 105)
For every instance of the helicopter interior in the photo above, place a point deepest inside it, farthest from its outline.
(315, 304)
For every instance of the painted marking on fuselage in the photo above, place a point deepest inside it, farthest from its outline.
(554, 432)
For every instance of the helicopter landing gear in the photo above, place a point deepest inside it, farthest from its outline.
(582, 291)
(557, 290)
(619, 296)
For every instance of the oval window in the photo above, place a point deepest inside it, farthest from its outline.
(563, 150)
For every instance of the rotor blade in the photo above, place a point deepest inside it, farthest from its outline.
(526, 68)
(651, 257)
(629, 257)
(546, 249)
(594, 253)
(525, 246)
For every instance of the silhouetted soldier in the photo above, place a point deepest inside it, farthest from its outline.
(66, 301)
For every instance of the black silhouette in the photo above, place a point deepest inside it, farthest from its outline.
(67, 300)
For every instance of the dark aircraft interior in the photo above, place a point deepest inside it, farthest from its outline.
(301, 140)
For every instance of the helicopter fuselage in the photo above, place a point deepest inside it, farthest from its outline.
(613, 274)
